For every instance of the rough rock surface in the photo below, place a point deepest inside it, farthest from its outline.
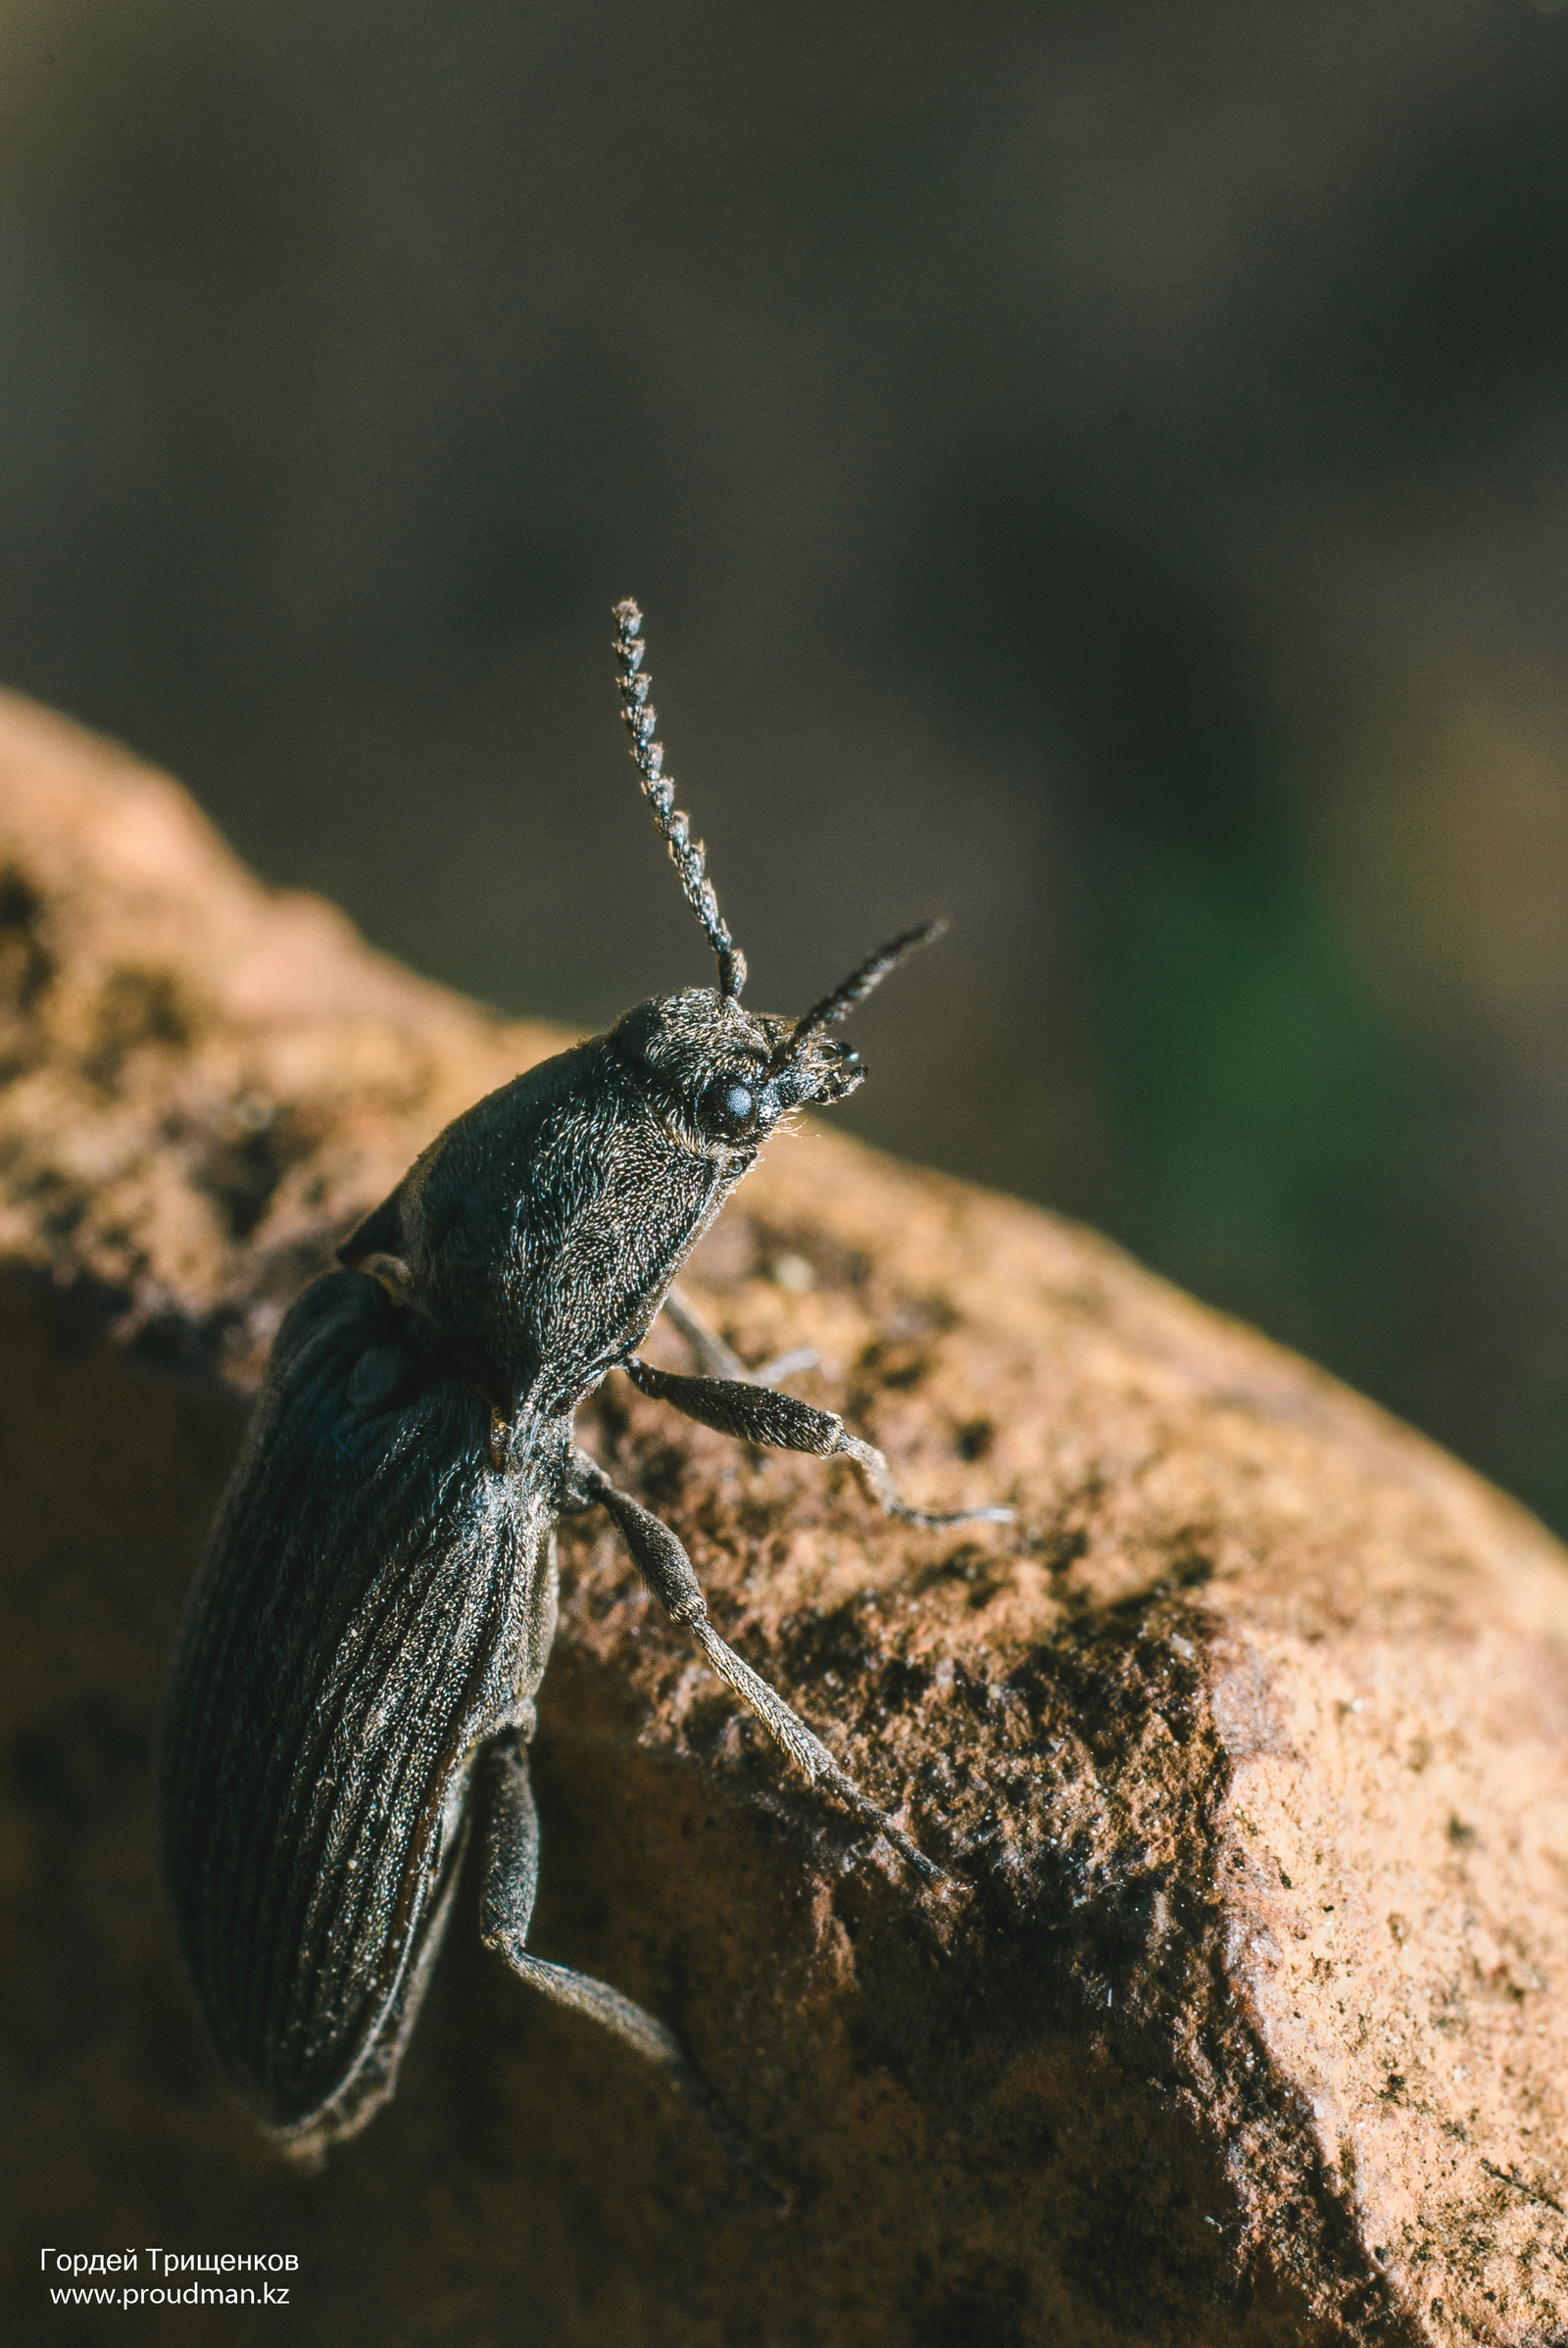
(1250, 1738)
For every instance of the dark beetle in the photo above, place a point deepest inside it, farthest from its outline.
(377, 1599)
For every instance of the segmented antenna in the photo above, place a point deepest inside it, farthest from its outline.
(855, 988)
(685, 852)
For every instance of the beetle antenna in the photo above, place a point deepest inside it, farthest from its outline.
(685, 852)
(855, 988)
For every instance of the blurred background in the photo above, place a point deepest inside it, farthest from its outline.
(1099, 470)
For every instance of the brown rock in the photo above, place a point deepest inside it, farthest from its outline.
(1250, 1738)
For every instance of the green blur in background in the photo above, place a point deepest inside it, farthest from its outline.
(1100, 471)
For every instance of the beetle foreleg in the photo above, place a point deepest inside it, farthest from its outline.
(511, 1883)
(756, 1414)
(664, 1566)
(715, 1359)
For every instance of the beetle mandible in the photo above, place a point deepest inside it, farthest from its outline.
(376, 1602)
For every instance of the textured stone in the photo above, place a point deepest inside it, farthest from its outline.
(1250, 1739)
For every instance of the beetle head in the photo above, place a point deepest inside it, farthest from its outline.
(718, 1077)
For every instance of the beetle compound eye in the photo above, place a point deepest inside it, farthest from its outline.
(727, 1108)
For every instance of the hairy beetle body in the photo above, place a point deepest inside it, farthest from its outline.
(377, 1599)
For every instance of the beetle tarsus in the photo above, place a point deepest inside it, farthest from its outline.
(877, 1477)
(760, 1414)
(807, 1750)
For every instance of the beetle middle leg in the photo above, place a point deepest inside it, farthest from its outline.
(662, 1562)
(511, 1884)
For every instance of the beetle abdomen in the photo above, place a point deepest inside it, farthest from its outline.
(374, 1598)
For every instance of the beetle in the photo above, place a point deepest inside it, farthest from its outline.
(355, 1670)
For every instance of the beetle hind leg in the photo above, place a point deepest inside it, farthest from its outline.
(511, 1884)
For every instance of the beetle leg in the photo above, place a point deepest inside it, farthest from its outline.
(510, 1883)
(715, 1359)
(662, 1562)
(756, 1414)
(708, 1349)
